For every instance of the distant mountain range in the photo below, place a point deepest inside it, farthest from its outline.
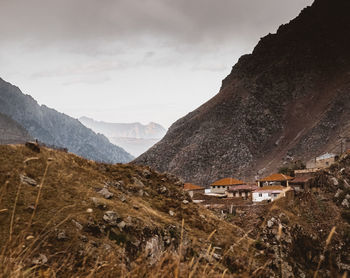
(55, 128)
(136, 138)
(288, 100)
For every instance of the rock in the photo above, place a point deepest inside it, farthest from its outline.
(112, 218)
(105, 193)
(41, 259)
(137, 183)
(179, 183)
(163, 190)
(77, 224)
(61, 235)
(89, 210)
(146, 173)
(99, 203)
(270, 223)
(140, 193)
(334, 181)
(287, 270)
(154, 248)
(337, 194)
(346, 184)
(347, 197)
(171, 213)
(121, 225)
(107, 247)
(122, 198)
(185, 202)
(345, 203)
(27, 180)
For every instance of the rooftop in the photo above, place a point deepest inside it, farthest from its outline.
(228, 181)
(190, 186)
(277, 177)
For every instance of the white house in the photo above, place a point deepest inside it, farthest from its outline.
(270, 193)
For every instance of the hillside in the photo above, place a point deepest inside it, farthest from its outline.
(288, 100)
(57, 129)
(135, 138)
(11, 132)
(64, 216)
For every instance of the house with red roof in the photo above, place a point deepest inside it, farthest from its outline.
(221, 186)
(275, 179)
(192, 189)
(241, 191)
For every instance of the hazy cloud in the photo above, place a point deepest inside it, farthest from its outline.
(130, 60)
(102, 21)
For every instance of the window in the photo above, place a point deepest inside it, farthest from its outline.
(260, 194)
(269, 194)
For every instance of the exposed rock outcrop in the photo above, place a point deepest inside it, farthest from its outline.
(289, 99)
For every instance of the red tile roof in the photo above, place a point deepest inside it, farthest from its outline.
(228, 181)
(302, 178)
(190, 186)
(277, 177)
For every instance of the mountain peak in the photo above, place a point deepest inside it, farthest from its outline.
(288, 99)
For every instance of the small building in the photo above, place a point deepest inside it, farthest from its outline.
(323, 161)
(275, 179)
(271, 193)
(241, 191)
(221, 186)
(299, 183)
(192, 189)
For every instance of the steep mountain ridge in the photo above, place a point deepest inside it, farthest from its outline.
(287, 100)
(55, 128)
(12, 132)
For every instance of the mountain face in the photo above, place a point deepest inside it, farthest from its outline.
(11, 132)
(136, 138)
(54, 128)
(288, 100)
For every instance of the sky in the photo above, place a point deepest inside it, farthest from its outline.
(131, 60)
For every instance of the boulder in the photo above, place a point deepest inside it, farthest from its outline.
(27, 180)
(105, 193)
(112, 218)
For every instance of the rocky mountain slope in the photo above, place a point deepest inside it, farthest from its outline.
(135, 138)
(64, 216)
(54, 128)
(11, 132)
(287, 100)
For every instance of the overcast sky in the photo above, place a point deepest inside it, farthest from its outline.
(130, 60)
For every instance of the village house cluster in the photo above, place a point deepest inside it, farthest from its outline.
(266, 189)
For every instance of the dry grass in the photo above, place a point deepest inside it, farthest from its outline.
(202, 245)
(31, 217)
